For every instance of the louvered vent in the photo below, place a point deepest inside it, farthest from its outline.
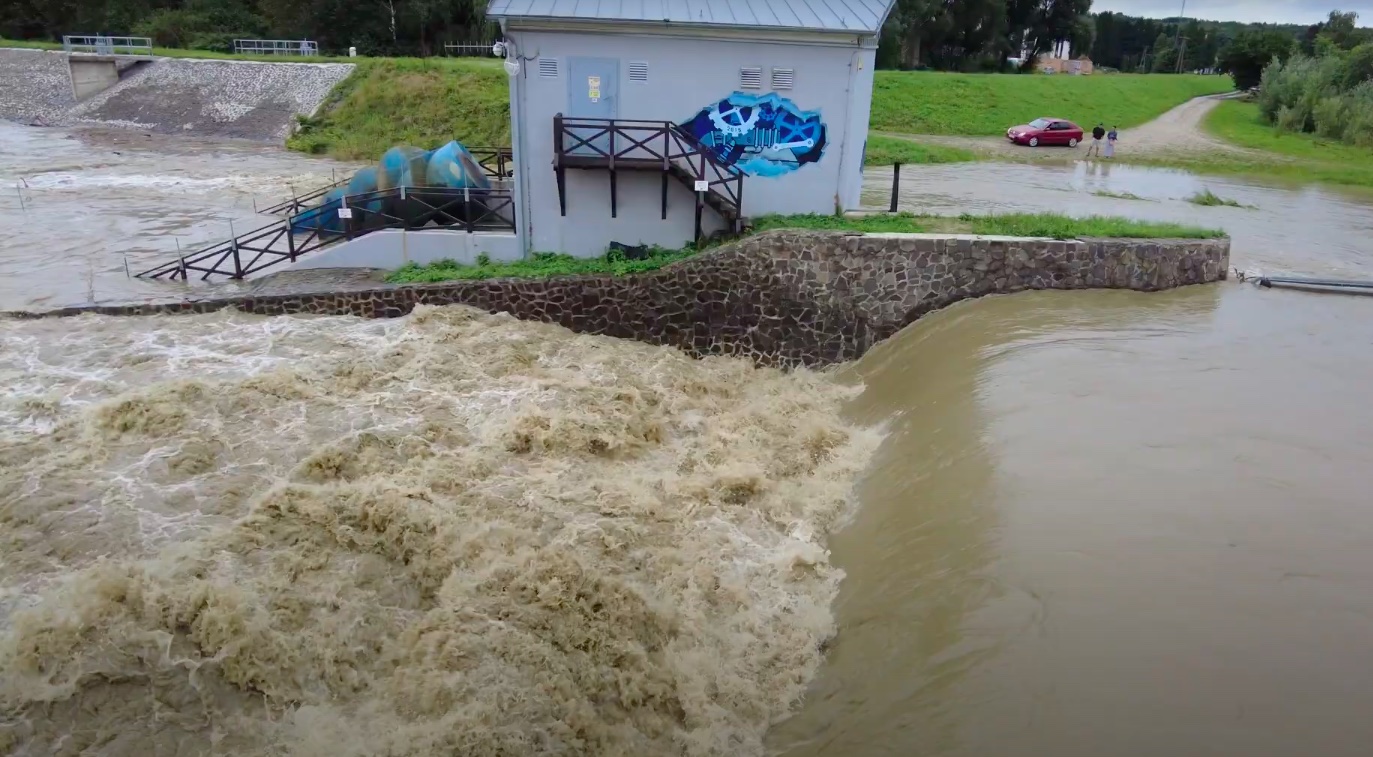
(548, 68)
(783, 78)
(638, 70)
(751, 78)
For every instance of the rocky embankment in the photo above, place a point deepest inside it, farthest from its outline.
(208, 98)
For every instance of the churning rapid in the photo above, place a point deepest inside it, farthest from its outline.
(449, 533)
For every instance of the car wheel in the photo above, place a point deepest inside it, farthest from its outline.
(1072, 143)
(1034, 141)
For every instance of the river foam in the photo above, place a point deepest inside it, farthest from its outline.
(451, 533)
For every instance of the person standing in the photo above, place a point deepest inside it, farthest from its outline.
(1095, 147)
(1111, 137)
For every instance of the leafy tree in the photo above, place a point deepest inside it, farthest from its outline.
(1250, 52)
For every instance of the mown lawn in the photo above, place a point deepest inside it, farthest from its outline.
(884, 151)
(410, 101)
(919, 102)
(1052, 225)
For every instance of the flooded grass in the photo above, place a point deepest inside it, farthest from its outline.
(1119, 195)
(1210, 199)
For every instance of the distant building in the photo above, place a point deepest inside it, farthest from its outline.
(657, 123)
(1081, 65)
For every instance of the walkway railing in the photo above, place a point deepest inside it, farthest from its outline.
(284, 241)
(103, 45)
(497, 162)
(619, 144)
(303, 47)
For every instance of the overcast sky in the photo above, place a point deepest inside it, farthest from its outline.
(1272, 11)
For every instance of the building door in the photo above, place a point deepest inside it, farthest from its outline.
(593, 91)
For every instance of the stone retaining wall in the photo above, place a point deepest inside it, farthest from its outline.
(783, 297)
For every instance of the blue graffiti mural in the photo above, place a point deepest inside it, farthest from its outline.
(761, 135)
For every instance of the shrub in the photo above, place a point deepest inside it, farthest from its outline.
(1292, 118)
(1358, 66)
(1358, 126)
(1330, 117)
(172, 28)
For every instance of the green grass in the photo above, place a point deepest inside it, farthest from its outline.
(918, 102)
(1279, 155)
(1117, 195)
(410, 101)
(541, 265)
(1210, 199)
(884, 151)
(1050, 225)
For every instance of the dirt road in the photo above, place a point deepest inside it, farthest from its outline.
(1177, 131)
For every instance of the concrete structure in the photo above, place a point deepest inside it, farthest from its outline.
(778, 92)
(782, 298)
(91, 74)
(390, 249)
(1081, 65)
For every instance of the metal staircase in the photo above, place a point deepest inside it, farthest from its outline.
(660, 146)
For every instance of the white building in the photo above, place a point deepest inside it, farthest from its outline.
(655, 121)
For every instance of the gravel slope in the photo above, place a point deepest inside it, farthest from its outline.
(238, 99)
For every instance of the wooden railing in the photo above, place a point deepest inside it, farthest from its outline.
(284, 241)
(622, 144)
(497, 162)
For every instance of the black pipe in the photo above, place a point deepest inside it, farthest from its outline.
(895, 185)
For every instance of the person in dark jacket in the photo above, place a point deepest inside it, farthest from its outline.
(1097, 134)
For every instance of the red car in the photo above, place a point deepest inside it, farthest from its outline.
(1046, 131)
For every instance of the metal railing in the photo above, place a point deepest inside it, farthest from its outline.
(104, 45)
(412, 208)
(497, 162)
(304, 47)
(475, 49)
(661, 145)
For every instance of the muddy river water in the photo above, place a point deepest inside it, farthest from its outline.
(1083, 523)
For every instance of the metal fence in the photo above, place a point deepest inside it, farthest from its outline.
(470, 49)
(103, 45)
(304, 47)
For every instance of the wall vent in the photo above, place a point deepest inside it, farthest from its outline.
(638, 70)
(751, 77)
(783, 78)
(548, 68)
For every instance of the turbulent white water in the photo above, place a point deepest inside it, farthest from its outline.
(451, 533)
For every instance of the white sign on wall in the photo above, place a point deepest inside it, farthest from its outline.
(702, 186)
(345, 213)
(593, 88)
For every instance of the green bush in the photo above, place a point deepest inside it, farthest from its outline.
(172, 28)
(1292, 119)
(1358, 66)
(1330, 115)
(1358, 126)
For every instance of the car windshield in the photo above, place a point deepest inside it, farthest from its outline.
(1040, 123)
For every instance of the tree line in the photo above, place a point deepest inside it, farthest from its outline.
(374, 27)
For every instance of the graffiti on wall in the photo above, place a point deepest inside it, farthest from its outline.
(761, 135)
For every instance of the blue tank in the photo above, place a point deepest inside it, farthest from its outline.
(454, 166)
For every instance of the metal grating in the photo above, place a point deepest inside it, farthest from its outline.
(783, 78)
(751, 77)
(638, 70)
(548, 68)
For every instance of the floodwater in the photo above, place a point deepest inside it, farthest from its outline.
(1111, 523)
(80, 210)
(1066, 523)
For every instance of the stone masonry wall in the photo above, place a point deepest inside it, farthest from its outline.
(783, 298)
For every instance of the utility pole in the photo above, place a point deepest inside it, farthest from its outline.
(1177, 39)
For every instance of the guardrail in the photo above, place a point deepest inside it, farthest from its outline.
(470, 49)
(304, 47)
(410, 208)
(104, 45)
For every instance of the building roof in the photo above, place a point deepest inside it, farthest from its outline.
(851, 16)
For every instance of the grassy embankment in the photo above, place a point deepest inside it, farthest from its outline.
(1020, 224)
(985, 104)
(1280, 155)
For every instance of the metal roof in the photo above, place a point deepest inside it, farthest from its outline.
(861, 16)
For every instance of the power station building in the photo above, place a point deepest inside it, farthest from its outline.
(659, 122)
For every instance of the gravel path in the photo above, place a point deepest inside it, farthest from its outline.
(1177, 131)
(214, 98)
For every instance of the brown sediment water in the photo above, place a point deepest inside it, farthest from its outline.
(451, 533)
(1085, 523)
